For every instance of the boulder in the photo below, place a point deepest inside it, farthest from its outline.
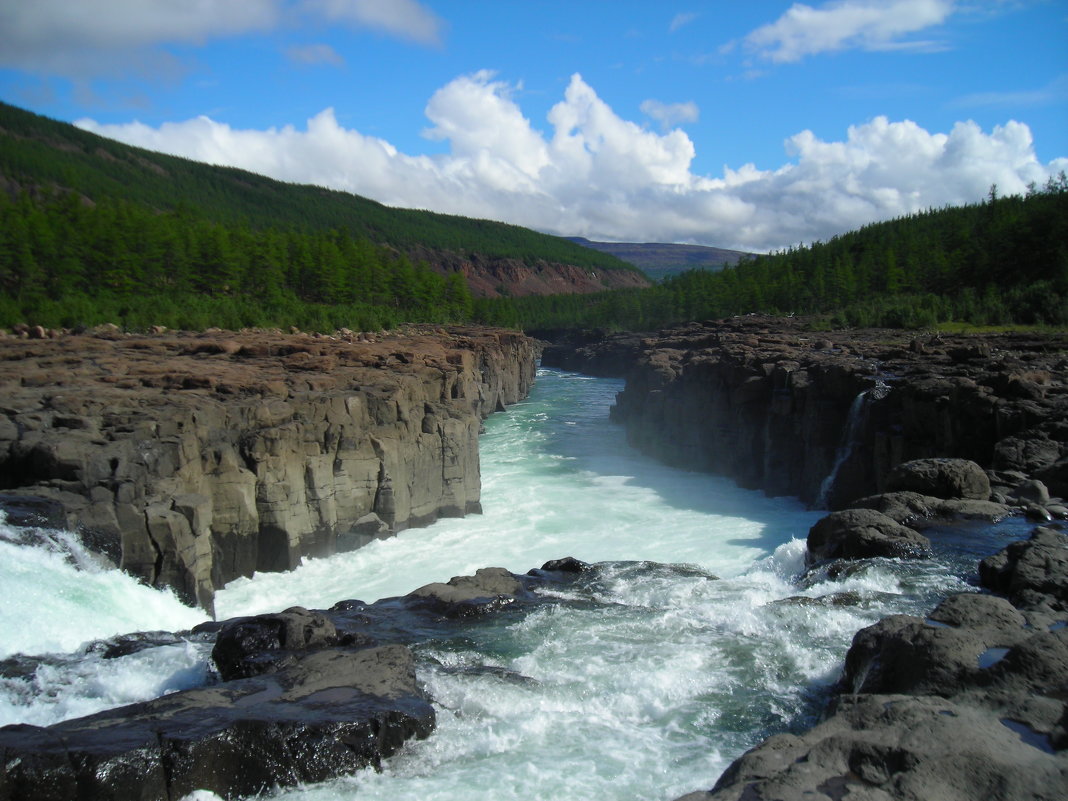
(885, 747)
(1032, 571)
(490, 588)
(942, 478)
(331, 713)
(263, 644)
(862, 534)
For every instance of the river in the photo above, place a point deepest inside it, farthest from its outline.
(696, 637)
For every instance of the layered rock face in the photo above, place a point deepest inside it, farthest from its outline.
(195, 459)
(827, 417)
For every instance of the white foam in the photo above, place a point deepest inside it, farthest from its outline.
(55, 601)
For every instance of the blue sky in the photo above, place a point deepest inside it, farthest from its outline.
(751, 125)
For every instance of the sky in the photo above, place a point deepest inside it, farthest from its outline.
(750, 125)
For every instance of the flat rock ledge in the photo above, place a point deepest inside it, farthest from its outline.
(193, 459)
(968, 703)
(303, 696)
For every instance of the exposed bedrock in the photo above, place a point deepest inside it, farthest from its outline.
(827, 417)
(969, 702)
(195, 459)
(303, 696)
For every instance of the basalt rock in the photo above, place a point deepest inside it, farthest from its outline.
(862, 534)
(942, 478)
(827, 418)
(198, 458)
(1033, 571)
(332, 712)
(969, 702)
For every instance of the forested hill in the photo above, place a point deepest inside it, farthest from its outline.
(1001, 261)
(37, 152)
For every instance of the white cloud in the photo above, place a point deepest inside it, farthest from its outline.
(598, 175)
(314, 54)
(670, 114)
(408, 19)
(681, 20)
(82, 38)
(868, 24)
(70, 38)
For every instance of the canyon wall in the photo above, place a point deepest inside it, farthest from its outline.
(195, 459)
(826, 417)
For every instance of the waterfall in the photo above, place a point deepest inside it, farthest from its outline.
(850, 436)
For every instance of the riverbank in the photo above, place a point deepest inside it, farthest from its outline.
(827, 416)
(194, 459)
(963, 701)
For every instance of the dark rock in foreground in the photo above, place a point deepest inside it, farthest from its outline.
(861, 534)
(969, 703)
(332, 712)
(305, 696)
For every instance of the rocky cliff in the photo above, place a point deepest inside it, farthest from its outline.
(490, 277)
(827, 416)
(193, 459)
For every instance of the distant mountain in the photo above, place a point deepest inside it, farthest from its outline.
(660, 260)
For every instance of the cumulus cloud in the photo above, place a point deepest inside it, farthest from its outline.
(670, 114)
(596, 174)
(844, 24)
(314, 54)
(80, 38)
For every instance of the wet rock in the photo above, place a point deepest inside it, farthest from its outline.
(568, 564)
(1030, 491)
(331, 713)
(899, 747)
(1026, 571)
(942, 478)
(489, 589)
(250, 646)
(861, 534)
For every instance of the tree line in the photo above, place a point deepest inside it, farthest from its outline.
(1001, 261)
(66, 262)
(36, 152)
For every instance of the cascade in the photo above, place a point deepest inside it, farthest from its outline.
(854, 428)
(690, 642)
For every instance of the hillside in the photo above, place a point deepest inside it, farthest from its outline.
(998, 262)
(37, 153)
(660, 260)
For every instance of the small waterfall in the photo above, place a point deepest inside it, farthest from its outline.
(854, 426)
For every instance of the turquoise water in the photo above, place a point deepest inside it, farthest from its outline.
(693, 639)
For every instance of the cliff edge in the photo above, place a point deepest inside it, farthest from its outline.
(192, 459)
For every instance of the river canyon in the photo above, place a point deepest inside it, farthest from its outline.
(697, 629)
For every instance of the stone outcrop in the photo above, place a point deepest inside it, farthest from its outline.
(863, 534)
(826, 417)
(494, 277)
(969, 702)
(198, 458)
(303, 696)
(331, 712)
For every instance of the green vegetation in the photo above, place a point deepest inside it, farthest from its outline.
(998, 262)
(92, 230)
(95, 231)
(66, 263)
